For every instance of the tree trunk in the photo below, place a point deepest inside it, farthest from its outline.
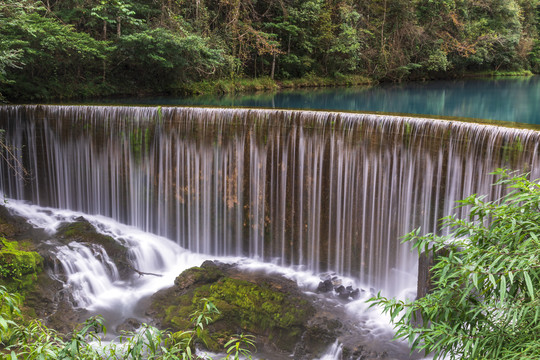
(273, 66)
(163, 12)
(289, 46)
(382, 26)
(255, 66)
(118, 27)
(104, 29)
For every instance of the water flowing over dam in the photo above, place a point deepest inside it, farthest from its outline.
(321, 191)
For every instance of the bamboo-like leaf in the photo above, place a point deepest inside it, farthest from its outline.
(3, 323)
(511, 276)
(529, 284)
(475, 279)
(492, 280)
(502, 288)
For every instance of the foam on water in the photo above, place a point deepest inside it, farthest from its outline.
(93, 278)
(96, 286)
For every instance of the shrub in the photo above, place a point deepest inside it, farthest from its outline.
(21, 339)
(485, 301)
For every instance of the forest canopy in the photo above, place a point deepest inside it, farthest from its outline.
(54, 49)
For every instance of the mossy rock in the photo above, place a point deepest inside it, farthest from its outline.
(82, 231)
(198, 276)
(271, 308)
(51, 302)
(19, 266)
(12, 226)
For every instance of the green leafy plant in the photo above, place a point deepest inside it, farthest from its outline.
(485, 300)
(9, 311)
(32, 340)
(240, 345)
(29, 340)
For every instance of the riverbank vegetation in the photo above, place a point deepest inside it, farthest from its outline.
(484, 301)
(60, 49)
(26, 335)
(30, 339)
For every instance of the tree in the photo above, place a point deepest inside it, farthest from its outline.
(299, 32)
(168, 60)
(347, 45)
(9, 58)
(115, 12)
(485, 300)
(45, 57)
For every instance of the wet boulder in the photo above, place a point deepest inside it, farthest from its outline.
(129, 325)
(325, 286)
(83, 232)
(271, 308)
(347, 293)
(334, 283)
(50, 301)
(11, 225)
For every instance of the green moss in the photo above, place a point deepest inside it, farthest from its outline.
(499, 73)
(256, 307)
(245, 307)
(228, 86)
(79, 229)
(18, 267)
(83, 231)
(198, 275)
(318, 81)
(179, 314)
(244, 85)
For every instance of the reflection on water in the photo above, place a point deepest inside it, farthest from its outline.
(514, 99)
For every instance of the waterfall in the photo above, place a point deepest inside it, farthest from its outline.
(92, 277)
(334, 352)
(321, 191)
(89, 272)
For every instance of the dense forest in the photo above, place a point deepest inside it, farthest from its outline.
(75, 48)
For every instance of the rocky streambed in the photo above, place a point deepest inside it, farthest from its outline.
(285, 320)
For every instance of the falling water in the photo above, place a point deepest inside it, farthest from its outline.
(92, 277)
(89, 271)
(96, 285)
(325, 192)
(334, 352)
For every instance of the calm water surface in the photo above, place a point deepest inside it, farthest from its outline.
(515, 99)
